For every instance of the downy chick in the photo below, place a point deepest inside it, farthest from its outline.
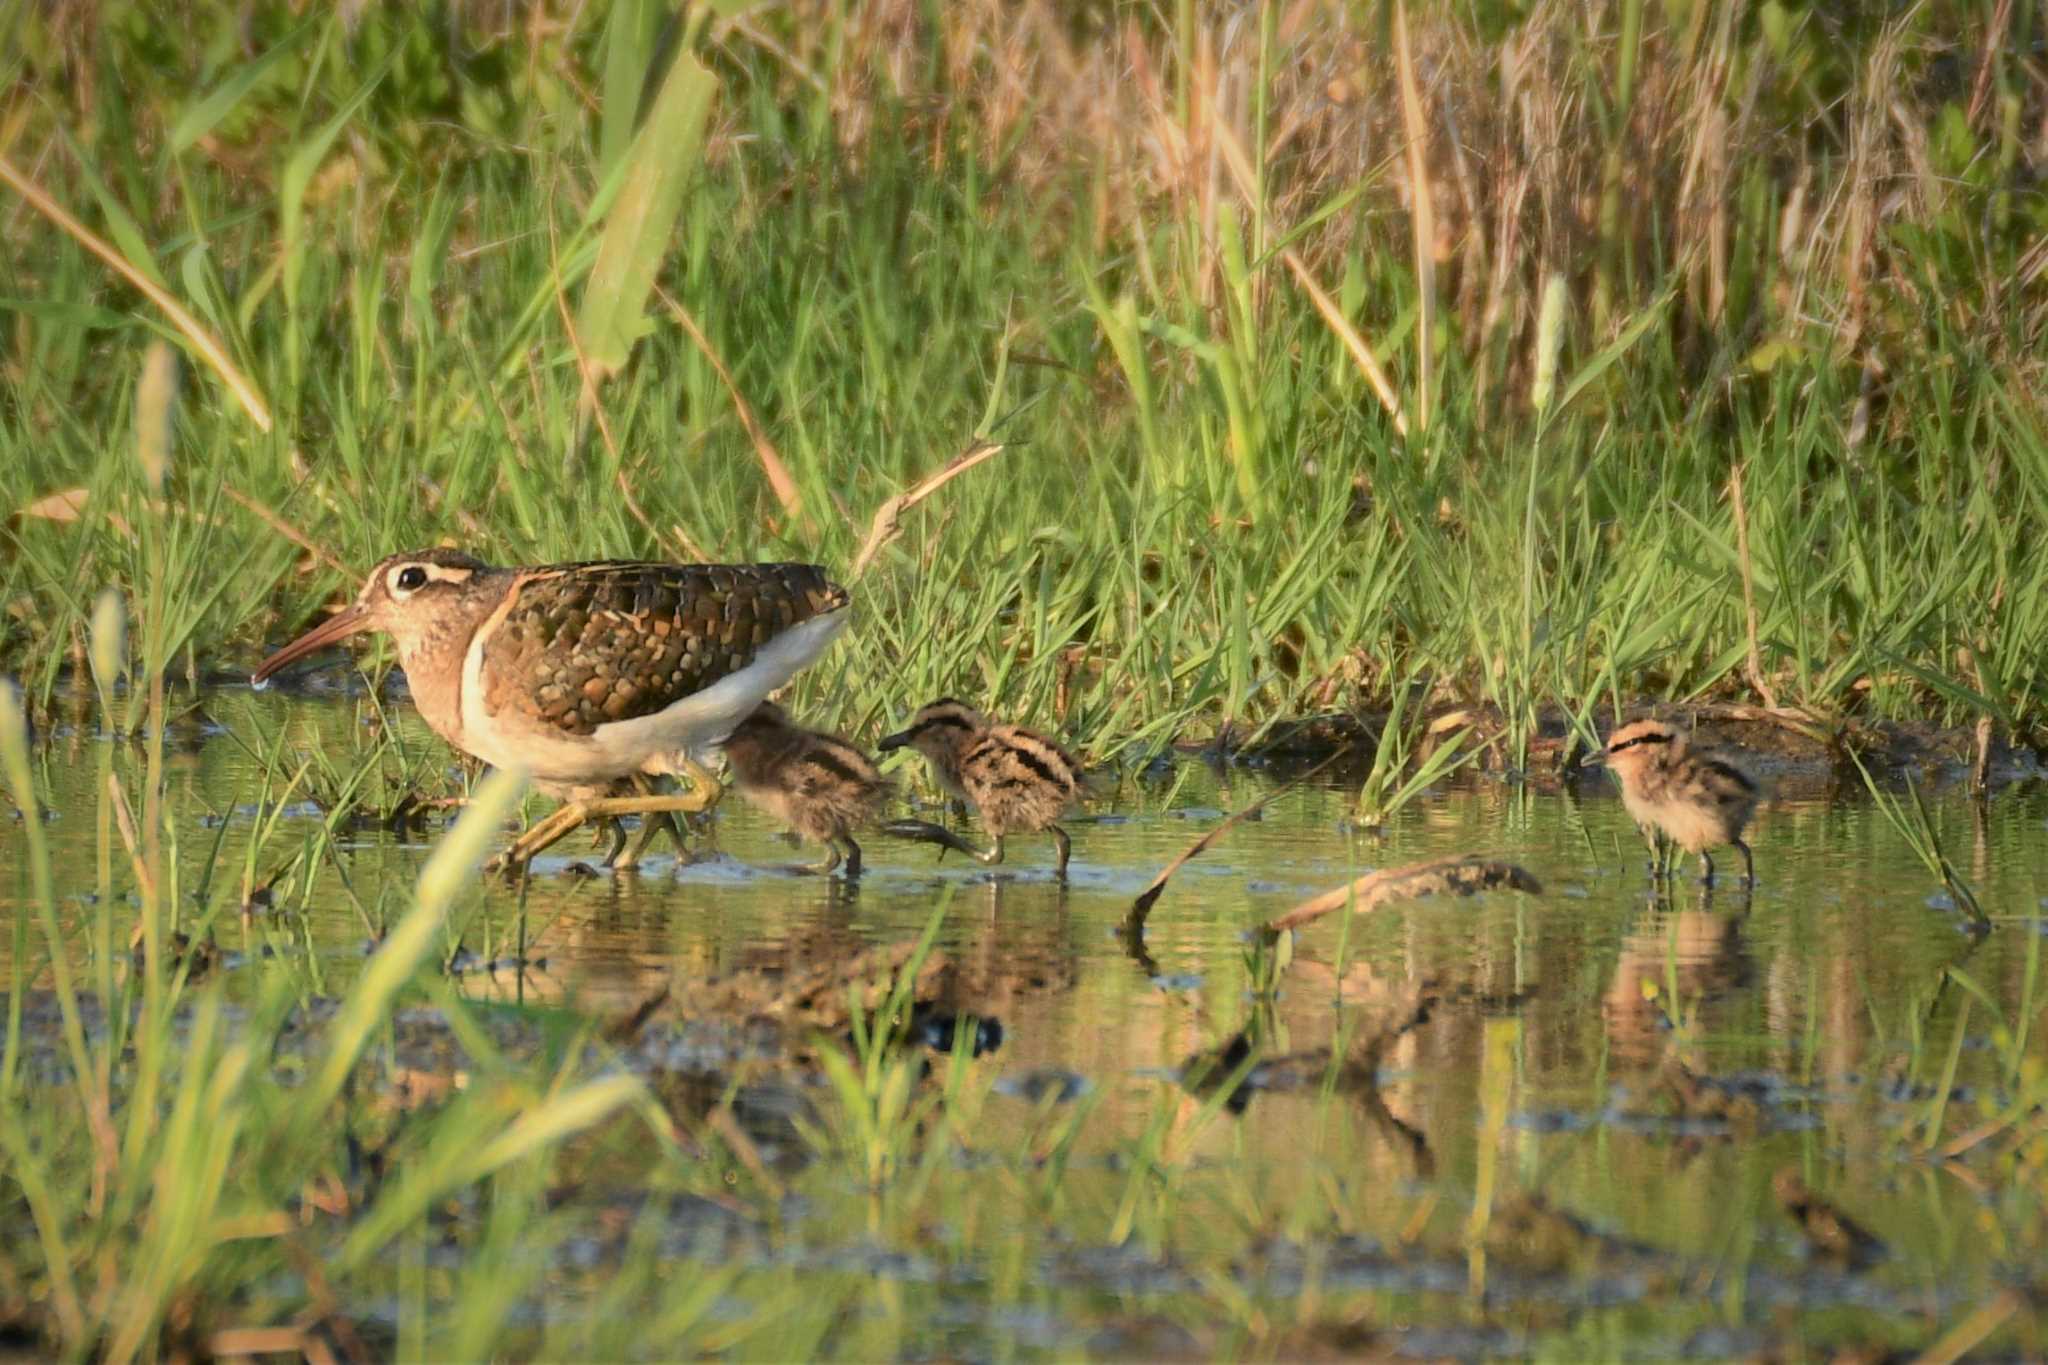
(819, 785)
(1697, 798)
(1016, 781)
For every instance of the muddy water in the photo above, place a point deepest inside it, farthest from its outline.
(1575, 1150)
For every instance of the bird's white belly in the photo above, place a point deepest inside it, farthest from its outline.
(692, 727)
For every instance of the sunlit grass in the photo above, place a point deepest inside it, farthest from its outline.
(1206, 522)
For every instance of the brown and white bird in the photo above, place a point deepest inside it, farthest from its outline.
(589, 676)
(819, 785)
(1016, 781)
(1697, 798)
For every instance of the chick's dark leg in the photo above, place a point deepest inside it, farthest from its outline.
(991, 855)
(852, 855)
(1653, 840)
(924, 831)
(1748, 863)
(1065, 846)
(1706, 867)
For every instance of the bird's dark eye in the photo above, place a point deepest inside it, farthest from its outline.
(411, 577)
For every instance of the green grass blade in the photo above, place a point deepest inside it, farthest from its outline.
(664, 155)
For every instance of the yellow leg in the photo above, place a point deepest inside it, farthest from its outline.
(702, 796)
(650, 826)
(826, 865)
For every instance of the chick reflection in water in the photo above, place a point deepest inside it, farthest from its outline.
(1699, 950)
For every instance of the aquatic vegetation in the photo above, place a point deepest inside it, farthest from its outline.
(941, 1103)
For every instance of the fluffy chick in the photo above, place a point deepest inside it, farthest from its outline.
(1697, 798)
(819, 785)
(1016, 780)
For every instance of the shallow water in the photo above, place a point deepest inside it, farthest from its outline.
(1812, 1019)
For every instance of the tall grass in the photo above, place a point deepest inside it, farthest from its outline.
(1271, 288)
(157, 1194)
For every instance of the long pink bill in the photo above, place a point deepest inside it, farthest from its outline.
(333, 630)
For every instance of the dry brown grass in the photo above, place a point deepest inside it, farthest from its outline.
(1547, 149)
(1611, 142)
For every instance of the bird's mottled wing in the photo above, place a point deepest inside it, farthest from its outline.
(582, 645)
